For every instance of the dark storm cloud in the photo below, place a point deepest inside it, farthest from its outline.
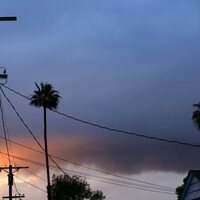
(131, 65)
(127, 155)
(100, 35)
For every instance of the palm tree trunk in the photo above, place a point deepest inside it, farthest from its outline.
(47, 155)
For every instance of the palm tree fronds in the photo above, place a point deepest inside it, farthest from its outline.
(197, 105)
(45, 96)
(196, 118)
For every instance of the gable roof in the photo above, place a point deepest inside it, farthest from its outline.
(195, 173)
(191, 174)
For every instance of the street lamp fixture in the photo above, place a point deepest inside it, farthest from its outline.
(3, 75)
(8, 18)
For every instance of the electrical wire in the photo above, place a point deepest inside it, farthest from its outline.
(26, 126)
(4, 130)
(100, 126)
(30, 184)
(94, 177)
(109, 181)
(28, 171)
(14, 91)
(16, 189)
(14, 183)
(5, 154)
(126, 132)
(123, 184)
(35, 175)
(90, 168)
(113, 129)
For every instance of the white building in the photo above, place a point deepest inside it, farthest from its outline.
(192, 186)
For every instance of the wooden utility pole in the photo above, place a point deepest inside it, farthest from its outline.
(10, 168)
(11, 180)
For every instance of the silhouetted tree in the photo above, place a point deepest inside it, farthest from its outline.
(179, 189)
(196, 116)
(97, 195)
(65, 187)
(45, 96)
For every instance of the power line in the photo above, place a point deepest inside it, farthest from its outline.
(16, 189)
(114, 129)
(90, 168)
(149, 190)
(28, 130)
(14, 183)
(14, 91)
(25, 169)
(111, 174)
(103, 171)
(117, 184)
(100, 126)
(109, 181)
(4, 130)
(93, 177)
(127, 132)
(30, 184)
(4, 154)
(35, 175)
(26, 126)
(122, 131)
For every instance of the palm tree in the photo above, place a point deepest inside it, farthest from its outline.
(196, 116)
(45, 96)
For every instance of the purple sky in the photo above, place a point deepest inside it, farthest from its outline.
(131, 65)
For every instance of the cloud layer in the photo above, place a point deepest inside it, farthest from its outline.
(122, 155)
(128, 65)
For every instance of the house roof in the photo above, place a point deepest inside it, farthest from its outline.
(191, 174)
(195, 173)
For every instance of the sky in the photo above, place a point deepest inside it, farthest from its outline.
(131, 65)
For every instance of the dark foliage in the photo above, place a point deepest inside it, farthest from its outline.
(65, 187)
(179, 189)
(45, 96)
(196, 116)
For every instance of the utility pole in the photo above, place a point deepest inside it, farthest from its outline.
(11, 180)
(10, 168)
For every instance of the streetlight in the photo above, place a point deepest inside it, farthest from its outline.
(8, 18)
(3, 76)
